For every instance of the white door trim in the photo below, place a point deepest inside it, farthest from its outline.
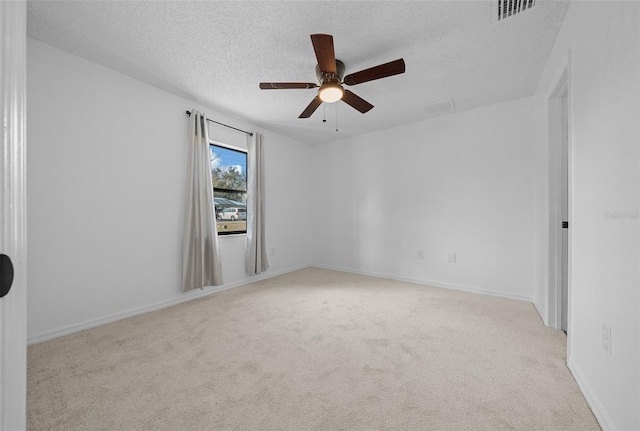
(560, 88)
(13, 313)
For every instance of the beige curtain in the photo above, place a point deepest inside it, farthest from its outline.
(256, 244)
(201, 264)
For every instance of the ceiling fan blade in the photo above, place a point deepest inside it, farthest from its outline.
(286, 85)
(323, 46)
(356, 101)
(382, 71)
(311, 108)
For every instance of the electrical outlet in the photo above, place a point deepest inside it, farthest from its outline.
(452, 258)
(420, 254)
(606, 338)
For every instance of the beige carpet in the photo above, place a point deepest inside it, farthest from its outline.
(312, 350)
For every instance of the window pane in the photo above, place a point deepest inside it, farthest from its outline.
(228, 168)
(231, 212)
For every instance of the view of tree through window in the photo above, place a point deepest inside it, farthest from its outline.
(229, 178)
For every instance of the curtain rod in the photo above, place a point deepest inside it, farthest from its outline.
(225, 125)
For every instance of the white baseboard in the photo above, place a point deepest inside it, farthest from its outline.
(470, 289)
(541, 312)
(605, 421)
(194, 294)
(188, 296)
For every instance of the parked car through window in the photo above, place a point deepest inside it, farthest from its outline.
(233, 214)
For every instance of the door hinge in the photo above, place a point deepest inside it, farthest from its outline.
(565, 225)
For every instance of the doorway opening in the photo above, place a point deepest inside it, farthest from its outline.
(559, 299)
(564, 209)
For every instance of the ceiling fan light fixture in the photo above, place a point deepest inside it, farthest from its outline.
(330, 92)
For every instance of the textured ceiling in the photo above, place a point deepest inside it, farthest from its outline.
(217, 52)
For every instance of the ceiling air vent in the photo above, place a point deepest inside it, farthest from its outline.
(504, 9)
(439, 108)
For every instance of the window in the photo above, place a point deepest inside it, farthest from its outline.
(229, 178)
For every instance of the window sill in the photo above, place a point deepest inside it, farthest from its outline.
(232, 235)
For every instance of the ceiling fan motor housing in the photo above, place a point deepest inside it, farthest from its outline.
(322, 78)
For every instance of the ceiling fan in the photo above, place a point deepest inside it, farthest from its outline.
(330, 73)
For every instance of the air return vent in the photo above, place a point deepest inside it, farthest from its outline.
(439, 108)
(504, 9)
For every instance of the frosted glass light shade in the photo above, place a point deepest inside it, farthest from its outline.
(330, 92)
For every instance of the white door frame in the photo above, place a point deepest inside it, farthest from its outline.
(560, 89)
(13, 307)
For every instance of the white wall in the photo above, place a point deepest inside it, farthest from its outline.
(461, 183)
(602, 42)
(107, 163)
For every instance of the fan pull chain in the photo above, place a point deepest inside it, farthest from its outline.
(324, 114)
(336, 117)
